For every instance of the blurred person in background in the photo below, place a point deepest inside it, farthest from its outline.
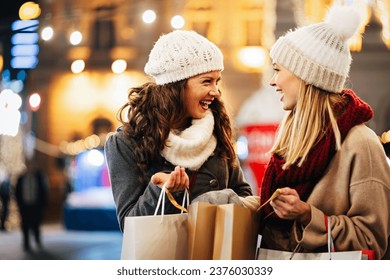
(31, 196)
(176, 131)
(326, 163)
(5, 197)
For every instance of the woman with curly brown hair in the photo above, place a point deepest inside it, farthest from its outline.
(175, 131)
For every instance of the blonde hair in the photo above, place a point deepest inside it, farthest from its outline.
(304, 126)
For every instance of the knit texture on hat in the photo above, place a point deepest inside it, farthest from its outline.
(180, 55)
(319, 53)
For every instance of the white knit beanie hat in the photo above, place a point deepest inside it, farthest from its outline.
(180, 55)
(319, 53)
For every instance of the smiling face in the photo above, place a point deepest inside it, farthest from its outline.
(287, 84)
(200, 92)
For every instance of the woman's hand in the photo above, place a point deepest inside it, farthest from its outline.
(289, 206)
(176, 181)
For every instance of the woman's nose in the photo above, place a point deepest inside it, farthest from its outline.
(215, 92)
(272, 81)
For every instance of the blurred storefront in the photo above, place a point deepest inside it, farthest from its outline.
(91, 52)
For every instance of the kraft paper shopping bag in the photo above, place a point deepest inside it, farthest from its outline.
(235, 236)
(201, 221)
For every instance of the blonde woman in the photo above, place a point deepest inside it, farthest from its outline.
(326, 163)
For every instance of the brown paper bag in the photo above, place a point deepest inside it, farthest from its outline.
(227, 231)
(201, 220)
(235, 234)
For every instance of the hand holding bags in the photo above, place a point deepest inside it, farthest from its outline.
(158, 237)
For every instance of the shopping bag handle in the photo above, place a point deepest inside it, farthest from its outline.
(174, 202)
(161, 200)
(330, 242)
(273, 196)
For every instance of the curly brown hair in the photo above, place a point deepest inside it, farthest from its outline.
(153, 110)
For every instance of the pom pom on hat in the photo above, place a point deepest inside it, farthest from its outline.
(319, 53)
(182, 54)
(343, 20)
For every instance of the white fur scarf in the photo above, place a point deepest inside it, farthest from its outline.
(192, 146)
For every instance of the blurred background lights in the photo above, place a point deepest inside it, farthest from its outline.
(10, 103)
(6, 75)
(242, 147)
(149, 16)
(29, 10)
(21, 75)
(24, 62)
(177, 22)
(253, 57)
(25, 49)
(9, 99)
(92, 141)
(23, 117)
(34, 101)
(118, 66)
(75, 38)
(47, 33)
(95, 157)
(16, 86)
(24, 38)
(25, 25)
(77, 66)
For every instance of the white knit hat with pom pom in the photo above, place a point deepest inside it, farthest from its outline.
(319, 53)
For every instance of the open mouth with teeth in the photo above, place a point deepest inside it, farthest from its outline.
(205, 104)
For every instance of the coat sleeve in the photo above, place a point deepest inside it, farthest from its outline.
(132, 198)
(238, 182)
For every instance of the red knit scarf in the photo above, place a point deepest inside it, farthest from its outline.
(304, 178)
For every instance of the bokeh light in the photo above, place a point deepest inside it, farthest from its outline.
(34, 101)
(177, 22)
(47, 33)
(149, 16)
(118, 66)
(75, 38)
(77, 66)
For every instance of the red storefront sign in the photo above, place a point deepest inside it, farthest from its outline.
(260, 139)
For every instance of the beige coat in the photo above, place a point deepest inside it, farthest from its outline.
(355, 192)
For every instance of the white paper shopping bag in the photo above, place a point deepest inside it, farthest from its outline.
(158, 237)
